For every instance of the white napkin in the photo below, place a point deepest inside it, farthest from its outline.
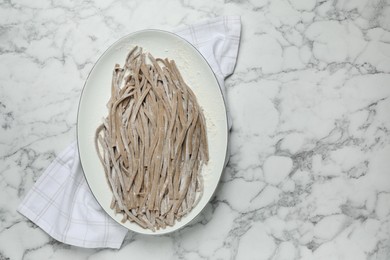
(61, 202)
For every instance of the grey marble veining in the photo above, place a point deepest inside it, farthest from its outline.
(309, 172)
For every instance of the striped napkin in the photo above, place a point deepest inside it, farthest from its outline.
(61, 203)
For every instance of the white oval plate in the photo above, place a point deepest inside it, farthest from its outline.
(92, 108)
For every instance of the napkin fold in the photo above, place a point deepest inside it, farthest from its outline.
(61, 203)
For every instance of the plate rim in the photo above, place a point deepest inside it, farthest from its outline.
(226, 147)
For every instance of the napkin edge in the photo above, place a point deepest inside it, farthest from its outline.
(32, 216)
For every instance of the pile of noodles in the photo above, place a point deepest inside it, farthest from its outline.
(153, 142)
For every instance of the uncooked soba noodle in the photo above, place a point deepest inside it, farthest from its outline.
(153, 142)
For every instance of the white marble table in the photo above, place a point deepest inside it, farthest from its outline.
(309, 175)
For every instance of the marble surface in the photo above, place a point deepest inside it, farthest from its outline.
(309, 175)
